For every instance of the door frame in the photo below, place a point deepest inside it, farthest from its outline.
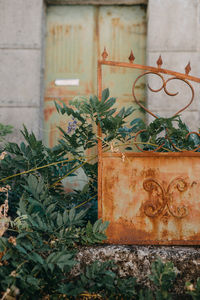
(96, 2)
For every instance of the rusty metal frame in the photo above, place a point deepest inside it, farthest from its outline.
(155, 208)
(149, 70)
(96, 2)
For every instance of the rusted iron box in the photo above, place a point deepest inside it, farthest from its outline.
(151, 198)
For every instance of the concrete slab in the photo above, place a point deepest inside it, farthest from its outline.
(20, 23)
(136, 261)
(198, 27)
(17, 116)
(172, 25)
(20, 77)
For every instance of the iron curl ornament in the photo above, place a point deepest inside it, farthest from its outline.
(161, 199)
(164, 83)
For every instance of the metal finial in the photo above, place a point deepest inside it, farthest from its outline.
(187, 69)
(104, 54)
(159, 61)
(131, 57)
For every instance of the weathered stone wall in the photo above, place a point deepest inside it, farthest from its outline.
(21, 23)
(174, 32)
(136, 261)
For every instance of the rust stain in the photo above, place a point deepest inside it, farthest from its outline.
(54, 132)
(61, 91)
(164, 234)
(115, 21)
(193, 183)
(141, 86)
(53, 91)
(149, 173)
(51, 135)
(67, 29)
(165, 218)
(52, 30)
(48, 113)
(88, 87)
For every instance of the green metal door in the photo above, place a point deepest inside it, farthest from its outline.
(76, 36)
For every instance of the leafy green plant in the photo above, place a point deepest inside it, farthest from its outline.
(193, 290)
(4, 130)
(162, 276)
(88, 115)
(171, 133)
(100, 279)
(145, 294)
(81, 135)
(41, 250)
(27, 158)
(93, 234)
(65, 158)
(38, 250)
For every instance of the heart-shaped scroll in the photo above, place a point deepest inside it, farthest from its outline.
(164, 86)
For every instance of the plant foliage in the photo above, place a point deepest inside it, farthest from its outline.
(4, 130)
(38, 249)
(40, 253)
(193, 290)
(162, 276)
(171, 133)
(47, 225)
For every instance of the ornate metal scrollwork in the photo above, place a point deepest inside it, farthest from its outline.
(157, 201)
(161, 199)
(165, 88)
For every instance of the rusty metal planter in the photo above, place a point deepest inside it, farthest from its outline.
(150, 197)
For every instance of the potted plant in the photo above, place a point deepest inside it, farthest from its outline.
(152, 196)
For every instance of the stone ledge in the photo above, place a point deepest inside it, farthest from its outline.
(136, 261)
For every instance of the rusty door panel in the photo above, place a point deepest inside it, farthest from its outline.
(75, 37)
(70, 44)
(151, 198)
(121, 29)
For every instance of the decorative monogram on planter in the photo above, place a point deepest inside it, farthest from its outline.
(162, 199)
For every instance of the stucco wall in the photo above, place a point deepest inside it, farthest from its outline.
(21, 64)
(174, 32)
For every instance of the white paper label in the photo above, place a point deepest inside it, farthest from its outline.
(69, 82)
